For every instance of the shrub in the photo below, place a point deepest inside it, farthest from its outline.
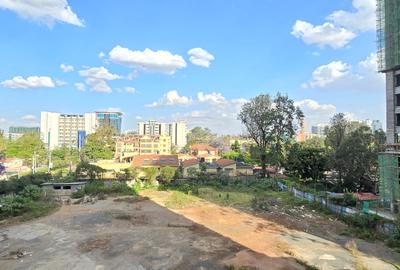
(101, 189)
(11, 205)
(32, 192)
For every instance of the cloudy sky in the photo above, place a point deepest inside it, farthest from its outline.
(187, 60)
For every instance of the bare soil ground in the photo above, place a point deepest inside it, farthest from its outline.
(137, 234)
(141, 233)
(298, 232)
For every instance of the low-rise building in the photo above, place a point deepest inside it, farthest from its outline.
(157, 161)
(190, 165)
(129, 146)
(244, 169)
(204, 152)
(226, 166)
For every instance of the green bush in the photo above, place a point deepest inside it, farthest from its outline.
(100, 188)
(12, 205)
(32, 192)
(362, 220)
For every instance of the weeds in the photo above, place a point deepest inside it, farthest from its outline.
(179, 200)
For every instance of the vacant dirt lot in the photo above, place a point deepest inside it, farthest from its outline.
(125, 235)
(131, 234)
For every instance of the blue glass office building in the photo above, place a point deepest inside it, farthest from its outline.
(112, 119)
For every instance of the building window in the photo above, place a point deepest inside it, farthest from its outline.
(397, 99)
(397, 80)
(398, 120)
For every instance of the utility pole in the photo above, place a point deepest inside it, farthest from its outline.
(34, 163)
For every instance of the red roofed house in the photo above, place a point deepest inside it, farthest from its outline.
(227, 166)
(190, 165)
(205, 152)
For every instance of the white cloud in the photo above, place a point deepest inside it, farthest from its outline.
(60, 82)
(29, 118)
(138, 117)
(362, 20)
(153, 61)
(327, 74)
(80, 86)
(3, 120)
(341, 76)
(29, 82)
(101, 55)
(97, 77)
(171, 98)
(66, 68)
(316, 113)
(113, 109)
(44, 11)
(341, 26)
(220, 114)
(130, 90)
(212, 98)
(323, 35)
(200, 57)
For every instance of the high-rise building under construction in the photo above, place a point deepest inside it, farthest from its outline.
(388, 34)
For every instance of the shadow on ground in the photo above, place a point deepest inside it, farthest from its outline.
(125, 234)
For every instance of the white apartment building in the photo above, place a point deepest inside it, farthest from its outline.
(176, 130)
(59, 130)
(178, 133)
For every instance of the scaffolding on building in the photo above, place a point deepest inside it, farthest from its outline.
(389, 189)
(388, 29)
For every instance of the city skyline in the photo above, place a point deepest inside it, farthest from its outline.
(203, 78)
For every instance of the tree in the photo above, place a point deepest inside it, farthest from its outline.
(24, 148)
(64, 156)
(306, 163)
(200, 135)
(271, 123)
(84, 168)
(150, 174)
(334, 139)
(101, 144)
(315, 142)
(358, 159)
(167, 174)
(236, 147)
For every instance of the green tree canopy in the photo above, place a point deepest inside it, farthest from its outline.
(167, 174)
(306, 162)
(271, 123)
(101, 144)
(150, 174)
(200, 135)
(25, 147)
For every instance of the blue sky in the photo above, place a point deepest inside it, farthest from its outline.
(187, 60)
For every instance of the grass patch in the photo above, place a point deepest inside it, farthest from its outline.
(177, 200)
(132, 199)
(38, 209)
(226, 198)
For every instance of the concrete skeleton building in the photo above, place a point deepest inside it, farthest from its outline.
(58, 130)
(176, 130)
(388, 39)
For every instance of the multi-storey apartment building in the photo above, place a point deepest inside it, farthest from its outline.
(176, 130)
(59, 130)
(130, 146)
